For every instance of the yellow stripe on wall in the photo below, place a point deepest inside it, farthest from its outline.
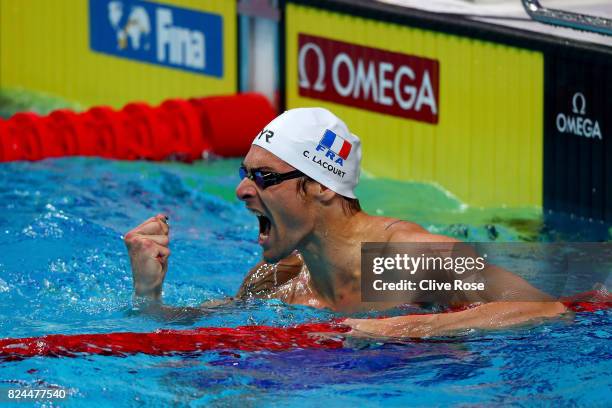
(487, 146)
(44, 46)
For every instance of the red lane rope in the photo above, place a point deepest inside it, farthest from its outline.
(590, 301)
(244, 338)
(161, 342)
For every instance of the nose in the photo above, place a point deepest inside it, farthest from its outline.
(245, 189)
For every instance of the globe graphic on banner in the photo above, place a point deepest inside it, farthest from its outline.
(133, 31)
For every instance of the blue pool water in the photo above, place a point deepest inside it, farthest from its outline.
(64, 269)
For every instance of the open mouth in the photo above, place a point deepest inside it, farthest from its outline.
(264, 228)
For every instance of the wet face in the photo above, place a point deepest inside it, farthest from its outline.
(285, 216)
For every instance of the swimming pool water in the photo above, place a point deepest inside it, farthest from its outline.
(64, 269)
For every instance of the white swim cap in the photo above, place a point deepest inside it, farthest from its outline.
(318, 143)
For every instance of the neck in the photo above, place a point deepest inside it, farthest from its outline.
(331, 253)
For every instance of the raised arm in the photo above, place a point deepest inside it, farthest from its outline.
(147, 246)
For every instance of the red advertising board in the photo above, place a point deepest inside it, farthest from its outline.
(369, 78)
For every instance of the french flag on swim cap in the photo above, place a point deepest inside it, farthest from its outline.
(336, 144)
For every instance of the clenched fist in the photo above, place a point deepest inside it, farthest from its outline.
(147, 246)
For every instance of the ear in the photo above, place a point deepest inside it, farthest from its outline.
(323, 194)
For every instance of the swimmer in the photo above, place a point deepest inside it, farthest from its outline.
(299, 179)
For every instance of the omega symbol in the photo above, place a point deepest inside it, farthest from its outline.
(578, 96)
(319, 85)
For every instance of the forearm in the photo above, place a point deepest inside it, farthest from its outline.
(496, 315)
(147, 293)
(172, 314)
(489, 316)
(177, 314)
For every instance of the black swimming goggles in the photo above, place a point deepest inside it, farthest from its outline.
(267, 179)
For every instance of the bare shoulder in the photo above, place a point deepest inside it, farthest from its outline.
(405, 231)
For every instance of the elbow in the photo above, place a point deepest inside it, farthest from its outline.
(531, 311)
(552, 309)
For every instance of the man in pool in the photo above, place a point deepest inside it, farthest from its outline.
(298, 179)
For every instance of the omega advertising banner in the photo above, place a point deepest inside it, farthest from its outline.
(428, 106)
(369, 78)
(577, 146)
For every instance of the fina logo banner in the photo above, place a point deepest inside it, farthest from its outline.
(157, 33)
(369, 78)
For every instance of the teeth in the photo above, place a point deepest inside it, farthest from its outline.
(257, 213)
(264, 222)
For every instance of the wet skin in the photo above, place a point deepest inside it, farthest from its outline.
(312, 253)
(326, 264)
